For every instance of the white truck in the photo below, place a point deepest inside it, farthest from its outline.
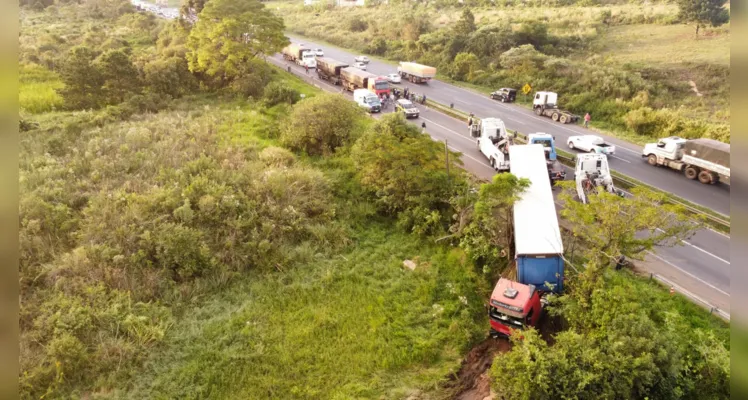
(416, 73)
(545, 104)
(365, 98)
(300, 54)
(493, 141)
(705, 159)
(591, 173)
(590, 144)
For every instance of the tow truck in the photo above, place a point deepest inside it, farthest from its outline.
(556, 171)
(493, 141)
(592, 172)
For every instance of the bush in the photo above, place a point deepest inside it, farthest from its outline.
(277, 157)
(278, 92)
(357, 24)
(322, 124)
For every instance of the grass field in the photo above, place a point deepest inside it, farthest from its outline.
(37, 89)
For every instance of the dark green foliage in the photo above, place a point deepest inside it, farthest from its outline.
(357, 25)
(466, 24)
(120, 78)
(277, 92)
(83, 81)
(703, 12)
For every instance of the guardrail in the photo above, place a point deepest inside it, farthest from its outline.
(694, 298)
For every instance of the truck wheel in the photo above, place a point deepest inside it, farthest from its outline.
(538, 111)
(563, 119)
(691, 172)
(571, 145)
(706, 177)
(554, 116)
(652, 160)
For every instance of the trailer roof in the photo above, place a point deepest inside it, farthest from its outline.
(536, 230)
(331, 62)
(710, 150)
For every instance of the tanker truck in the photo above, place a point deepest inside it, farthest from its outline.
(416, 73)
(705, 159)
(299, 54)
(329, 69)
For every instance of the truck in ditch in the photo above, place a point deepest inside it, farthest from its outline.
(539, 250)
(707, 160)
(329, 69)
(514, 306)
(556, 170)
(300, 54)
(353, 78)
(592, 174)
(493, 141)
(416, 73)
(545, 104)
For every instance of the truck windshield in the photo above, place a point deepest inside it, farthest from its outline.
(308, 54)
(544, 142)
(373, 100)
(381, 85)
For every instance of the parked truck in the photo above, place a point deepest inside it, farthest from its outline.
(514, 306)
(556, 170)
(300, 54)
(493, 142)
(329, 69)
(591, 174)
(545, 104)
(353, 78)
(537, 237)
(416, 73)
(705, 159)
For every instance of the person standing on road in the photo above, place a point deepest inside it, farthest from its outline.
(306, 68)
(587, 119)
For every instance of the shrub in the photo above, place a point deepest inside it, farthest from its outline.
(357, 24)
(278, 92)
(277, 157)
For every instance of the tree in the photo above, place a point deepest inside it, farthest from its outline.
(464, 66)
(191, 8)
(318, 126)
(703, 12)
(119, 75)
(82, 79)
(231, 33)
(466, 24)
(611, 226)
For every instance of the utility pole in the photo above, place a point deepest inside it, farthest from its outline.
(446, 153)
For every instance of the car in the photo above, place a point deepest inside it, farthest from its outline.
(590, 143)
(407, 108)
(362, 59)
(319, 53)
(505, 95)
(359, 65)
(393, 78)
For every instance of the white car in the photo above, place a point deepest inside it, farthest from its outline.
(590, 143)
(407, 108)
(393, 78)
(319, 53)
(362, 59)
(360, 65)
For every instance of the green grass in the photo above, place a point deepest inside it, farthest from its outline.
(358, 325)
(37, 89)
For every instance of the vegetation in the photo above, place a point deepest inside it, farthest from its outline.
(703, 12)
(564, 47)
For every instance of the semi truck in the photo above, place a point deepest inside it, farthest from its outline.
(592, 173)
(353, 78)
(544, 104)
(329, 69)
(493, 142)
(514, 306)
(300, 54)
(537, 237)
(556, 171)
(707, 160)
(416, 73)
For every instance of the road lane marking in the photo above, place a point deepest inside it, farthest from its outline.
(700, 249)
(688, 273)
(449, 130)
(619, 158)
(512, 119)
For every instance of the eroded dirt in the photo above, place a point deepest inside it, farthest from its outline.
(471, 382)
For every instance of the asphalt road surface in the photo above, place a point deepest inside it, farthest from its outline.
(702, 264)
(627, 160)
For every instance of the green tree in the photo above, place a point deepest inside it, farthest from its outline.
(231, 33)
(191, 8)
(82, 79)
(464, 66)
(466, 24)
(318, 126)
(703, 12)
(119, 75)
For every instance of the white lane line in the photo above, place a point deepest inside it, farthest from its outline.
(481, 162)
(726, 236)
(688, 273)
(461, 101)
(700, 249)
(448, 130)
(619, 158)
(512, 119)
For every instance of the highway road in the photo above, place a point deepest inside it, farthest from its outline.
(702, 264)
(627, 159)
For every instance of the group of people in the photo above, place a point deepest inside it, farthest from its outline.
(406, 94)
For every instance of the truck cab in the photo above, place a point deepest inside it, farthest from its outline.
(592, 172)
(308, 59)
(556, 171)
(514, 306)
(493, 141)
(367, 99)
(669, 148)
(379, 85)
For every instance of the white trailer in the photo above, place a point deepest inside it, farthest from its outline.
(493, 142)
(705, 159)
(592, 172)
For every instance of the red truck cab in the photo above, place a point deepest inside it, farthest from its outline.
(513, 306)
(379, 85)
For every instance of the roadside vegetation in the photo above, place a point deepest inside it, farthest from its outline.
(192, 227)
(636, 69)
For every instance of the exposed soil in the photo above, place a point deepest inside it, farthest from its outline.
(471, 381)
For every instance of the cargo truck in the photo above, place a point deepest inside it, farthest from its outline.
(416, 73)
(514, 306)
(705, 159)
(537, 237)
(329, 70)
(300, 54)
(354, 78)
(544, 104)
(556, 171)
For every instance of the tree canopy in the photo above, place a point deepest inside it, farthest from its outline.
(703, 12)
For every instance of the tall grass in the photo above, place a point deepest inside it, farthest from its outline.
(38, 89)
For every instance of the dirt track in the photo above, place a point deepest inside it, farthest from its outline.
(471, 382)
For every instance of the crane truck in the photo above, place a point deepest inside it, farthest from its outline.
(592, 172)
(537, 237)
(329, 69)
(556, 171)
(544, 104)
(514, 306)
(705, 159)
(300, 54)
(416, 73)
